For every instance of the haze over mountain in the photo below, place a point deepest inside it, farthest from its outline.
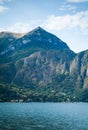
(38, 66)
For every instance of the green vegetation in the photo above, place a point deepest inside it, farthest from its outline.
(12, 93)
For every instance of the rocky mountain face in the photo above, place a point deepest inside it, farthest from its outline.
(79, 69)
(39, 60)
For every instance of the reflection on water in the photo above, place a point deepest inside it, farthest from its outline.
(43, 116)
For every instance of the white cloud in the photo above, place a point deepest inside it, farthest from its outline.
(1, 1)
(67, 7)
(3, 8)
(77, 1)
(18, 27)
(76, 21)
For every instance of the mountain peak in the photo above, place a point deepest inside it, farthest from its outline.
(37, 29)
(41, 37)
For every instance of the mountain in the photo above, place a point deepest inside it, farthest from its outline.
(6, 38)
(41, 39)
(6, 46)
(79, 69)
(38, 66)
(36, 40)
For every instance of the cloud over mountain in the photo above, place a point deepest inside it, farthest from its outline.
(77, 20)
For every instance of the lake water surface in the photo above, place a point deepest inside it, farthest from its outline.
(43, 116)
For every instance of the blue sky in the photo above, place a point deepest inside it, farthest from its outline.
(68, 19)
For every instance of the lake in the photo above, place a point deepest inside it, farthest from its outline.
(43, 116)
